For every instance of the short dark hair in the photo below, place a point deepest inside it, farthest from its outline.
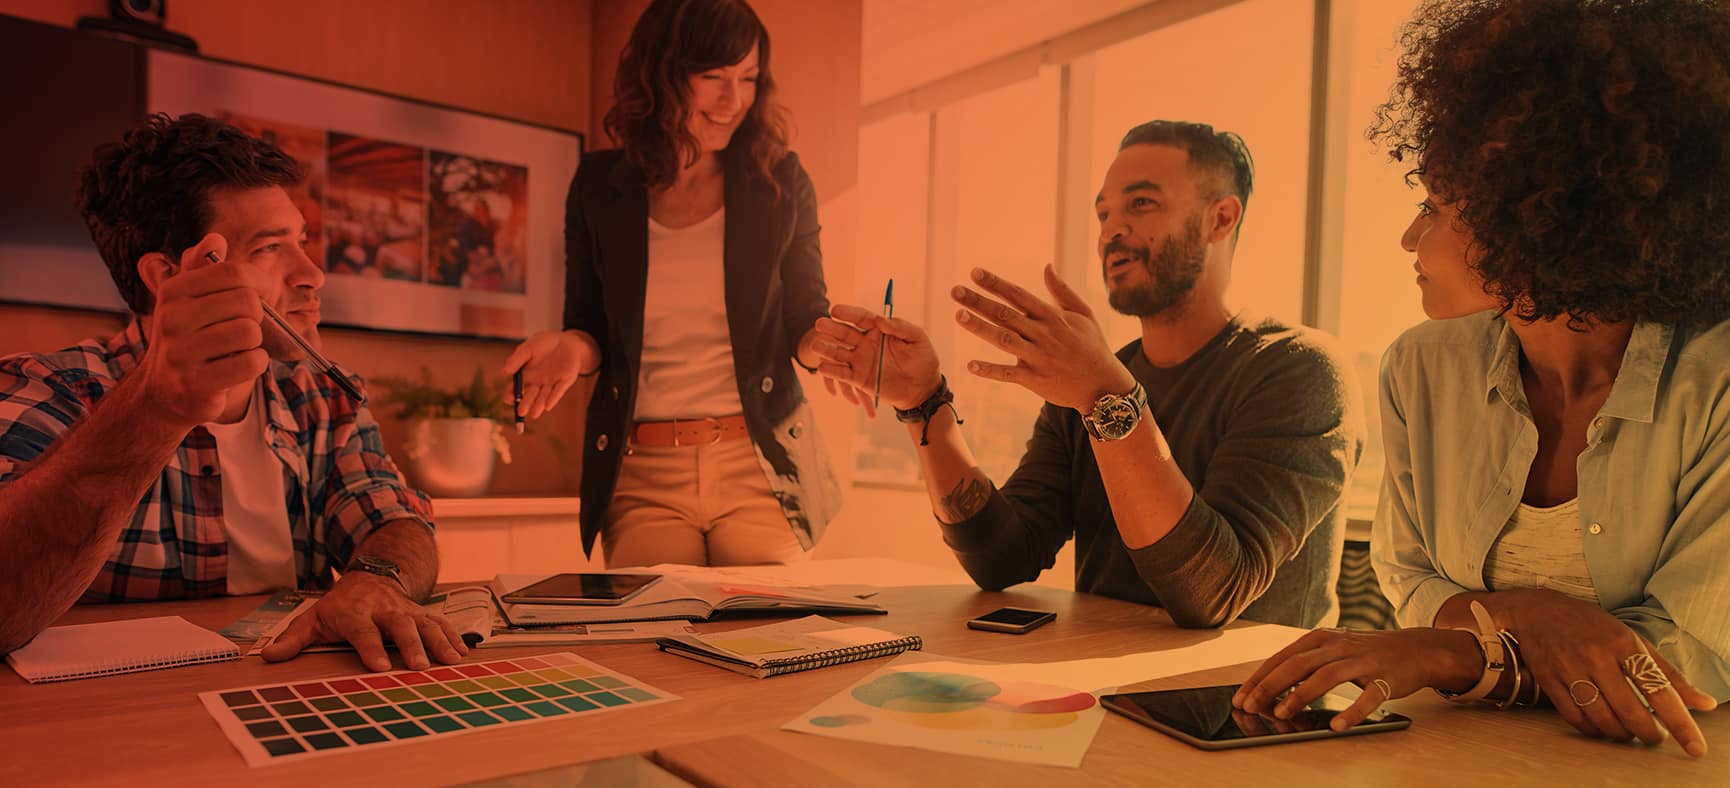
(672, 40)
(1587, 143)
(150, 192)
(1221, 153)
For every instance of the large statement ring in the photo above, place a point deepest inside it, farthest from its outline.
(1574, 693)
(1643, 670)
(1382, 684)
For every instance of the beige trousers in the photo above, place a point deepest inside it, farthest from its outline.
(704, 505)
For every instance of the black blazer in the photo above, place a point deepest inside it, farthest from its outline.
(774, 293)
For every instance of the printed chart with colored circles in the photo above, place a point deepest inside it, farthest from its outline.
(971, 713)
(283, 722)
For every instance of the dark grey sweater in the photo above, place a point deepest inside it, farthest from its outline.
(1264, 421)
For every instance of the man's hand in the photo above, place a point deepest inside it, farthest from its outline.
(362, 610)
(1060, 350)
(846, 345)
(205, 336)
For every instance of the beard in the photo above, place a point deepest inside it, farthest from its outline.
(1172, 273)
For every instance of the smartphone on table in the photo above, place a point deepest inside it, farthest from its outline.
(1014, 620)
(582, 588)
(1204, 717)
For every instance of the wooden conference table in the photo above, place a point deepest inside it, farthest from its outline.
(149, 728)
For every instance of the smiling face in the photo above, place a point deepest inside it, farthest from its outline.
(1153, 234)
(265, 230)
(718, 101)
(1451, 287)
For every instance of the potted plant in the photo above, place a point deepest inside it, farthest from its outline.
(453, 433)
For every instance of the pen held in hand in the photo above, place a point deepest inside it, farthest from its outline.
(882, 341)
(318, 361)
(517, 399)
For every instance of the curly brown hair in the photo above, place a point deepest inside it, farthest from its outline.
(150, 192)
(672, 40)
(1588, 143)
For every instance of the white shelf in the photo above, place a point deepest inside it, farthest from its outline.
(467, 508)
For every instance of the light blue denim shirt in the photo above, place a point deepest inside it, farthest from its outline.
(1654, 480)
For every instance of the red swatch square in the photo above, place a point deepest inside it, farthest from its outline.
(413, 679)
(313, 690)
(381, 682)
(347, 685)
(475, 671)
(530, 663)
(444, 674)
(505, 666)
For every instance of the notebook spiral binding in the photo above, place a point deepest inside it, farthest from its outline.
(118, 666)
(837, 656)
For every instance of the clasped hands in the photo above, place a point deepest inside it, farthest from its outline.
(1059, 350)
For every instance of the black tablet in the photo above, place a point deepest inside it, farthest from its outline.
(581, 588)
(1204, 717)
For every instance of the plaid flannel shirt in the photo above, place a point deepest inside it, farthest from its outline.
(339, 483)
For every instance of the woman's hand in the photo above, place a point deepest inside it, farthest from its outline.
(1386, 665)
(1581, 656)
(551, 362)
(847, 344)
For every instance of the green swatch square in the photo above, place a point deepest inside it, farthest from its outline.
(442, 724)
(307, 724)
(347, 719)
(251, 713)
(383, 714)
(519, 695)
(420, 708)
(551, 690)
(400, 695)
(578, 685)
(364, 699)
(575, 703)
(365, 735)
(282, 747)
(495, 682)
(607, 699)
(478, 718)
(608, 681)
(328, 704)
(637, 694)
(545, 709)
(454, 704)
(405, 730)
(487, 699)
(513, 714)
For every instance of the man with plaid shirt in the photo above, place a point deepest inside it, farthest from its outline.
(192, 455)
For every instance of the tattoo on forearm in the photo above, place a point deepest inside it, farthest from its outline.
(967, 499)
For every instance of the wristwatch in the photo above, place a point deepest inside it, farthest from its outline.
(379, 566)
(1114, 416)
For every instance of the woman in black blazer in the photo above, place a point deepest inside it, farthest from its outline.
(693, 279)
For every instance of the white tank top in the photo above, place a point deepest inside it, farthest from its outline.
(254, 503)
(687, 365)
(1541, 548)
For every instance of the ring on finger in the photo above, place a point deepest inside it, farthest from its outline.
(1643, 670)
(1382, 686)
(1574, 692)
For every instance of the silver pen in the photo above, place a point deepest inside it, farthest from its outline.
(317, 359)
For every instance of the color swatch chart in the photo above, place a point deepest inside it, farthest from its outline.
(284, 722)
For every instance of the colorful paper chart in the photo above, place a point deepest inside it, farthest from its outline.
(961, 707)
(275, 723)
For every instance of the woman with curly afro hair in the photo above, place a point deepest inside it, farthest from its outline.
(1554, 524)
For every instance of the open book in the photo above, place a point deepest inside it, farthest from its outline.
(472, 610)
(681, 598)
(789, 646)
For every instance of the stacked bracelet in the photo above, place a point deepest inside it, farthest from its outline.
(923, 412)
(1501, 652)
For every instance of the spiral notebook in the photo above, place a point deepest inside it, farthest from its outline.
(790, 646)
(84, 651)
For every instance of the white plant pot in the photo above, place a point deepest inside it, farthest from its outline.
(453, 458)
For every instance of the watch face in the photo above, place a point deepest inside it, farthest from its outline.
(1117, 418)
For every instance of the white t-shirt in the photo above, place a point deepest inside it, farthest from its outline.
(687, 366)
(1541, 548)
(254, 503)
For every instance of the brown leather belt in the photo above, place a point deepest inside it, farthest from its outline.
(689, 432)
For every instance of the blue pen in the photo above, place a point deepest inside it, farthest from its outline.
(517, 399)
(888, 311)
